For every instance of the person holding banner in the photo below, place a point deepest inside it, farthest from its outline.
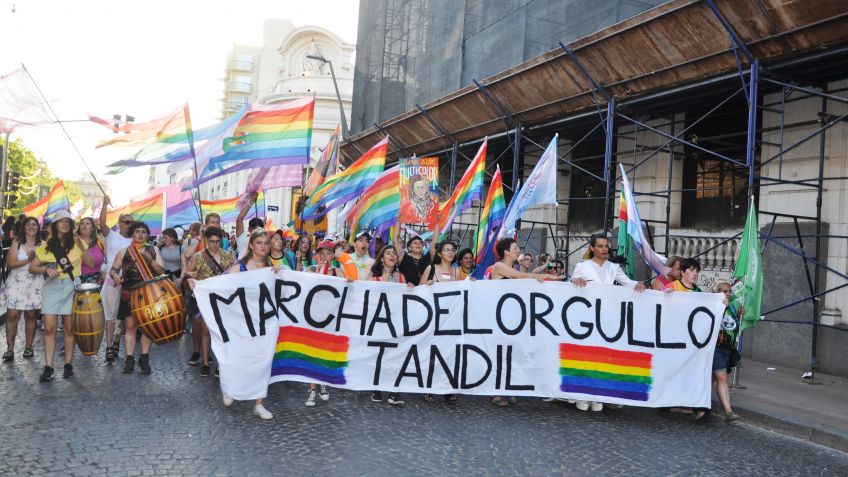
(465, 264)
(302, 253)
(357, 266)
(210, 262)
(504, 269)
(58, 259)
(413, 262)
(281, 257)
(385, 270)
(255, 257)
(725, 352)
(133, 265)
(598, 269)
(323, 266)
(660, 282)
(442, 270)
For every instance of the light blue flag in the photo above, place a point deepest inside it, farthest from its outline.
(540, 188)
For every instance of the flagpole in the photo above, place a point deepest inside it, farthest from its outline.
(190, 137)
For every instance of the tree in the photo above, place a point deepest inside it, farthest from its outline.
(36, 179)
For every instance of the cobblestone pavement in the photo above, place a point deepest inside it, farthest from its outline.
(102, 422)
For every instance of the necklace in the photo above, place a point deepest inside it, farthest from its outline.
(256, 261)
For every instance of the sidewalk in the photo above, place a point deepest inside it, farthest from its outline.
(781, 401)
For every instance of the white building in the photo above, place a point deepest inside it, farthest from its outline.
(279, 71)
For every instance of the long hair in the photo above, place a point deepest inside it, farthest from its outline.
(169, 232)
(437, 260)
(20, 234)
(94, 236)
(593, 240)
(66, 242)
(297, 247)
(377, 268)
(249, 253)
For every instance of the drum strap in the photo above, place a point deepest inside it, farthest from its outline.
(213, 264)
(140, 263)
(62, 260)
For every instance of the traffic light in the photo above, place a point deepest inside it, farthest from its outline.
(11, 201)
(13, 179)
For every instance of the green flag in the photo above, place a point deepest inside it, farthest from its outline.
(748, 290)
(625, 247)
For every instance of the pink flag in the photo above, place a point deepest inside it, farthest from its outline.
(290, 175)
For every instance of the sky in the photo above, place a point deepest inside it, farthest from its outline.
(142, 58)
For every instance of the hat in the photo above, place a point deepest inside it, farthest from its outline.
(364, 233)
(62, 214)
(328, 244)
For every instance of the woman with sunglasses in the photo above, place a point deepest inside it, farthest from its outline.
(385, 269)
(209, 262)
(126, 271)
(22, 290)
(442, 270)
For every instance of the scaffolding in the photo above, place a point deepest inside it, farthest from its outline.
(740, 166)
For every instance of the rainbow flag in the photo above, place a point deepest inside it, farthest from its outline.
(469, 188)
(147, 208)
(379, 205)
(599, 371)
(633, 225)
(162, 140)
(325, 166)
(492, 214)
(54, 201)
(313, 354)
(346, 185)
(228, 208)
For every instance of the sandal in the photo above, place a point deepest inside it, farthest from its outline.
(428, 397)
(499, 401)
(110, 354)
(8, 356)
(28, 353)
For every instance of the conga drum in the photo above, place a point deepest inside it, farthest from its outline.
(158, 309)
(87, 319)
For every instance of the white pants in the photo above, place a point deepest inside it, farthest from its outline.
(110, 294)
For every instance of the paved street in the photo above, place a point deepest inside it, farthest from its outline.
(102, 422)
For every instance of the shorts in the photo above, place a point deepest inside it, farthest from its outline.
(57, 297)
(124, 309)
(192, 310)
(110, 295)
(721, 359)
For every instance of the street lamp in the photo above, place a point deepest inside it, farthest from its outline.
(320, 58)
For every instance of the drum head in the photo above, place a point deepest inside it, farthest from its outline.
(87, 287)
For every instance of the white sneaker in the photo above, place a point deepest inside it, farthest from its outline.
(548, 399)
(582, 405)
(310, 399)
(323, 393)
(228, 401)
(597, 406)
(263, 413)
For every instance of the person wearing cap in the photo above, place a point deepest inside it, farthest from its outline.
(324, 266)
(414, 262)
(110, 293)
(357, 266)
(59, 260)
(242, 237)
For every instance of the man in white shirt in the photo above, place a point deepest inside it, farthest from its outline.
(598, 269)
(242, 238)
(110, 294)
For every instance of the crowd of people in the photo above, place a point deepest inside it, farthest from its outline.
(45, 262)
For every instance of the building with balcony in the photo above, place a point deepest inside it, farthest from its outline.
(277, 71)
(92, 196)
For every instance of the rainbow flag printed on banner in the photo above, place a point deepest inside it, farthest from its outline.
(311, 354)
(600, 371)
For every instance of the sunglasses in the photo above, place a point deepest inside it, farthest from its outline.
(216, 242)
(126, 222)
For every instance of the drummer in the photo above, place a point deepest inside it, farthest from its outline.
(111, 291)
(208, 263)
(59, 260)
(126, 272)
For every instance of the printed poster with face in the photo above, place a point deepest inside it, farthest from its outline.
(419, 190)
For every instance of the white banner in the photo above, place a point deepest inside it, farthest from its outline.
(515, 337)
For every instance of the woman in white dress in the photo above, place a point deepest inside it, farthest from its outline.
(22, 290)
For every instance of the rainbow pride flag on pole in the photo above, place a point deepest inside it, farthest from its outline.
(468, 189)
(162, 140)
(312, 354)
(634, 229)
(150, 209)
(325, 166)
(54, 201)
(346, 185)
(379, 205)
(492, 214)
(599, 371)
(228, 208)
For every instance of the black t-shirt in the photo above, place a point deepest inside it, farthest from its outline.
(413, 269)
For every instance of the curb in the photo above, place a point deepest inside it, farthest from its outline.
(800, 428)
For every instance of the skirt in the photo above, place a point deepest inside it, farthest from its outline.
(57, 297)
